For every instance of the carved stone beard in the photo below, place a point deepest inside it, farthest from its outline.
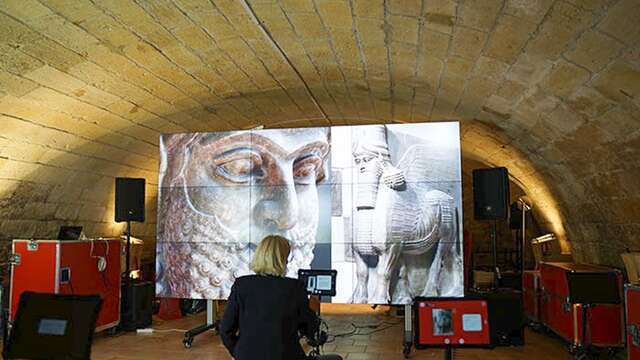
(199, 258)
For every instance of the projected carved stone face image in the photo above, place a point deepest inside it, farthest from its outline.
(223, 192)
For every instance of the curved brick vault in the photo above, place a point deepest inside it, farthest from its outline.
(548, 88)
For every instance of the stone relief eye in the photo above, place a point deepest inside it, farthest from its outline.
(306, 168)
(363, 159)
(239, 166)
(307, 171)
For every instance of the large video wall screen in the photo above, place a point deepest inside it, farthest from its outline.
(381, 204)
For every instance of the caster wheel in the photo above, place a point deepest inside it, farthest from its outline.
(112, 331)
(187, 343)
(581, 354)
(406, 350)
(536, 327)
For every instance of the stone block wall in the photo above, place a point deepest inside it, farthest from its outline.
(548, 88)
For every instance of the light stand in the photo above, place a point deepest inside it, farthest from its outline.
(525, 208)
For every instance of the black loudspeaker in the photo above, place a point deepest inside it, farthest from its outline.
(515, 217)
(129, 199)
(491, 194)
(506, 317)
(137, 305)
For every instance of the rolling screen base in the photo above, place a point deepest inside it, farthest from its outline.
(211, 324)
(191, 334)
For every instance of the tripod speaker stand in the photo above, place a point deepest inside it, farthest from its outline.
(136, 301)
(491, 202)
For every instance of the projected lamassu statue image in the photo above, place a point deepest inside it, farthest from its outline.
(406, 194)
(221, 193)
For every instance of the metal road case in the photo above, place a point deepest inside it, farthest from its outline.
(78, 267)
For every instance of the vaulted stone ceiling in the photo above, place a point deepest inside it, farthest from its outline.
(549, 88)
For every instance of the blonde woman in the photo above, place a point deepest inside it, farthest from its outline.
(266, 312)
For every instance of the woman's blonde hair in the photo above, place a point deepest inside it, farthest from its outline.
(271, 256)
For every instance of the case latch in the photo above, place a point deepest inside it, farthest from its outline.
(32, 245)
(15, 259)
(634, 331)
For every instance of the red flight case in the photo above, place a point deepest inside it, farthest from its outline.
(69, 267)
(632, 296)
(565, 319)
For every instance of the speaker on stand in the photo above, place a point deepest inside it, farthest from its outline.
(136, 297)
(491, 202)
(491, 198)
(491, 193)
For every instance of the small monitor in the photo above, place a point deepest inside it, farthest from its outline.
(69, 232)
(472, 322)
(53, 326)
(319, 282)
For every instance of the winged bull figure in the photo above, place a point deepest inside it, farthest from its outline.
(403, 222)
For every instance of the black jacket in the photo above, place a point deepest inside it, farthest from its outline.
(263, 317)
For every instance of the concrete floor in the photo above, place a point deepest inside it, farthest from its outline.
(385, 344)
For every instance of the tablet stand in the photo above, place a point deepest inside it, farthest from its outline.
(315, 353)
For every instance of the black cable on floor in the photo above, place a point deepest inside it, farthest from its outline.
(356, 327)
